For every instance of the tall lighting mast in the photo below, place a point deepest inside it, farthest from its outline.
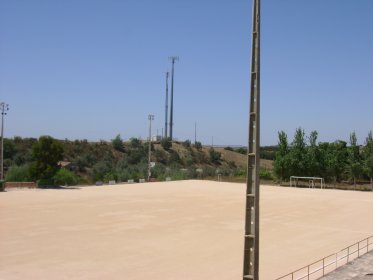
(251, 250)
(173, 59)
(166, 113)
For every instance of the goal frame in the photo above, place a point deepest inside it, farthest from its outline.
(311, 181)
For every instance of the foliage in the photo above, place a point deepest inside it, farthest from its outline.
(368, 157)
(117, 143)
(66, 178)
(18, 174)
(228, 149)
(265, 174)
(187, 144)
(215, 156)
(198, 146)
(46, 152)
(166, 144)
(282, 161)
(354, 167)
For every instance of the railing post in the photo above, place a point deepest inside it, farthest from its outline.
(308, 273)
(323, 266)
(358, 249)
(348, 253)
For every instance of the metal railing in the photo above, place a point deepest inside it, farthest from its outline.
(330, 263)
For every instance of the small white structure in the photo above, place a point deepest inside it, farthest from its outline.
(311, 181)
(141, 180)
(112, 182)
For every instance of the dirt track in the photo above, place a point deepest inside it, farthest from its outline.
(176, 230)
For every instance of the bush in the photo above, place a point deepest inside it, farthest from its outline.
(42, 183)
(66, 178)
(186, 143)
(166, 144)
(265, 174)
(214, 155)
(19, 174)
(198, 146)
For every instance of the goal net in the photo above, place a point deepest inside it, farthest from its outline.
(311, 182)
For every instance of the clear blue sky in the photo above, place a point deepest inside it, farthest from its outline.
(95, 68)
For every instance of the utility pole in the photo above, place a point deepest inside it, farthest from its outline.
(150, 118)
(251, 250)
(173, 59)
(3, 108)
(166, 113)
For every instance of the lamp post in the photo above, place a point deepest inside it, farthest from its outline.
(150, 118)
(3, 108)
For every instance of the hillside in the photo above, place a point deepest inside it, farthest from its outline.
(122, 161)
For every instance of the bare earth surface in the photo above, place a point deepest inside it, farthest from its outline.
(175, 230)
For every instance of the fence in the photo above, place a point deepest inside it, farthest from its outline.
(332, 262)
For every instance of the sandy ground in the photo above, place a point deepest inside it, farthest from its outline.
(175, 230)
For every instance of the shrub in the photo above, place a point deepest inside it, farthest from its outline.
(198, 146)
(265, 174)
(166, 144)
(214, 155)
(19, 174)
(66, 178)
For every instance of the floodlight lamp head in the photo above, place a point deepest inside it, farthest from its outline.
(173, 58)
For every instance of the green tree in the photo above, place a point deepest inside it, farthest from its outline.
(117, 143)
(354, 166)
(298, 160)
(336, 155)
(368, 157)
(46, 152)
(281, 163)
(313, 156)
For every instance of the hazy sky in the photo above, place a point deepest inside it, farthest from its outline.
(95, 68)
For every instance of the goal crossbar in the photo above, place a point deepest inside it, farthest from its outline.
(310, 179)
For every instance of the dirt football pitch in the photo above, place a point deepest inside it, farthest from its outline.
(190, 230)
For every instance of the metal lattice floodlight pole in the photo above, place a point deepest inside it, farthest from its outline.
(173, 59)
(3, 108)
(251, 250)
(150, 118)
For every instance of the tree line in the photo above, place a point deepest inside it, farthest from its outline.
(29, 159)
(335, 162)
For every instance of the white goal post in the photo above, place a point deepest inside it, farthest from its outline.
(311, 181)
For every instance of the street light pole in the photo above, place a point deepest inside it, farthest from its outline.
(150, 118)
(3, 108)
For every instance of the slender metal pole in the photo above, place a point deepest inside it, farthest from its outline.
(3, 108)
(173, 59)
(251, 250)
(195, 133)
(166, 113)
(150, 118)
